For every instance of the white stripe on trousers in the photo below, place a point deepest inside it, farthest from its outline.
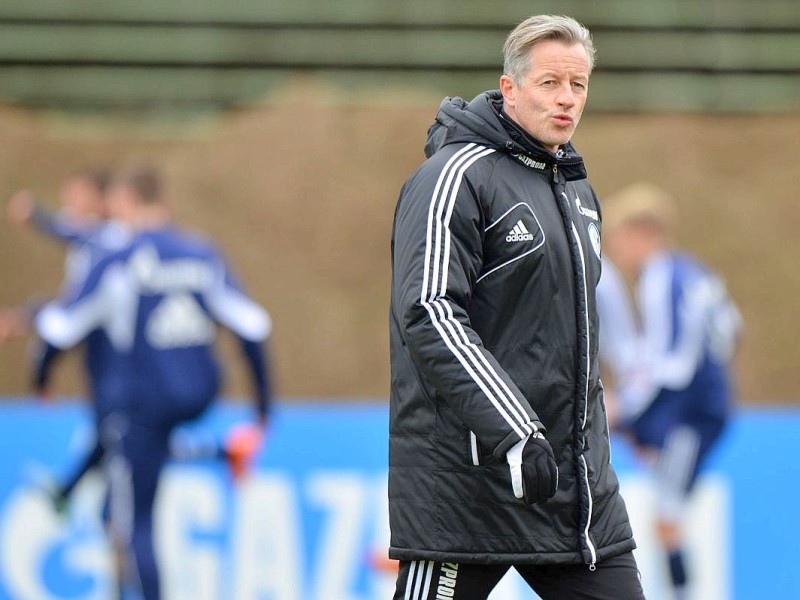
(421, 584)
(676, 465)
(434, 288)
(120, 496)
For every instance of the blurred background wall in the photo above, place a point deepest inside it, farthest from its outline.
(285, 129)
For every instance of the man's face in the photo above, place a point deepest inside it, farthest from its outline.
(549, 100)
(629, 245)
(81, 198)
(122, 203)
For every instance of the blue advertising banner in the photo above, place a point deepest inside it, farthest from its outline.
(310, 521)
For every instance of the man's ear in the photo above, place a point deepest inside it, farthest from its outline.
(509, 90)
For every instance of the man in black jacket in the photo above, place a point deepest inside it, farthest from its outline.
(499, 451)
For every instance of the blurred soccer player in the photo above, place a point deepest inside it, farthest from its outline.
(82, 223)
(668, 342)
(158, 301)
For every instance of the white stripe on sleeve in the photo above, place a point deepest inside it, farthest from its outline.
(434, 290)
(65, 326)
(238, 312)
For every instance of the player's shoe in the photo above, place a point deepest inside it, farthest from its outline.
(45, 482)
(380, 561)
(242, 443)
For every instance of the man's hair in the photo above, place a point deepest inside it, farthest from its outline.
(144, 181)
(98, 177)
(539, 28)
(641, 203)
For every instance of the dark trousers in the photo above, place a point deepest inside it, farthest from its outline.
(136, 455)
(88, 462)
(613, 579)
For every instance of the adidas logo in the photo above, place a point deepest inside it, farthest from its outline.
(520, 233)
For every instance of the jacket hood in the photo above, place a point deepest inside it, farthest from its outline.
(481, 121)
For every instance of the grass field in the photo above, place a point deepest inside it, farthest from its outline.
(300, 193)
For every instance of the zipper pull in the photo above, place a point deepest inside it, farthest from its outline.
(593, 567)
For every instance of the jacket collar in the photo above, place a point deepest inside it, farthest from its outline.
(568, 161)
(482, 121)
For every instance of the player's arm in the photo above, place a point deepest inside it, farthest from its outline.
(620, 355)
(44, 359)
(24, 208)
(256, 355)
(673, 328)
(66, 321)
(725, 325)
(638, 381)
(251, 323)
(59, 227)
(437, 257)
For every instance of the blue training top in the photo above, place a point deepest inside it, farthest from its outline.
(158, 302)
(88, 244)
(680, 340)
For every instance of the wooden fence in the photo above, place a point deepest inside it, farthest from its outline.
(685, 55)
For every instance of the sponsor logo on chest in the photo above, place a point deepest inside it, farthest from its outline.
(529, 162)
(586, 212)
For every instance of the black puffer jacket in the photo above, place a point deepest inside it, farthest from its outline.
(496, 255)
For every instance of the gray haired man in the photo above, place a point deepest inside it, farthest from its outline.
(499, 451)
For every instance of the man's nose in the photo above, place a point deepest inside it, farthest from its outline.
(566, 96)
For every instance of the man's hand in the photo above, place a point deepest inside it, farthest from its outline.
(534, 473)
(13, 324)
(20, 207)
(611, 402)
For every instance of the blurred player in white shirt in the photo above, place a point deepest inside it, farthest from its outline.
(82, 223)
(667, 332)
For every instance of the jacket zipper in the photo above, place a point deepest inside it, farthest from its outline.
(589, 544)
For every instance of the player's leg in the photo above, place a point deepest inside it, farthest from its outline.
(89, 462)
(664, 454)
(134, 474)
(119, 502)
(429, 580)
(148, 449)
(57, 489)
(685, 449)
(675, 474)
(615, 578)
(238, 447)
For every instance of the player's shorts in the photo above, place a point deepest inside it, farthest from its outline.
(683, 433)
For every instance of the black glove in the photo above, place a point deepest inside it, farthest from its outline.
(534, 473)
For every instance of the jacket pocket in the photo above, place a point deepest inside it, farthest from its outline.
(478, 455)
(515, 234)
(474, 450)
